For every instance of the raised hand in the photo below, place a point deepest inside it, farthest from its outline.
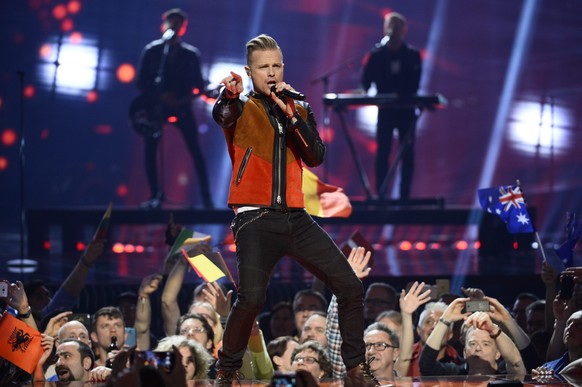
(214, 295)
(150, 284)
(55, 323)
(409, 302)
(233, 84)
(94, 250)
(358, 260)
(497, 311)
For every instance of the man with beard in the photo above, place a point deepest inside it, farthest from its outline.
(74, 361)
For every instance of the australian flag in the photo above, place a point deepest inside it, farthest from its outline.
(507, 203)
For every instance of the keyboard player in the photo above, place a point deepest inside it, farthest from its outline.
(394, 66)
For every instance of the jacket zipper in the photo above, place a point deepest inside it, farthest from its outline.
(279, 162)
(243, 165)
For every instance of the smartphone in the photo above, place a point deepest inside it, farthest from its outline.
(83, 318)
(477, 306)
(164, 361)
(566, 287)
(284, 380)
(3, 289)
(130, 337)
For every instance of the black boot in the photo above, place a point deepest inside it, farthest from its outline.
(225, 378)
(361, 376)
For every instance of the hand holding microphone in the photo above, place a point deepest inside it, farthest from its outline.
(288, 93)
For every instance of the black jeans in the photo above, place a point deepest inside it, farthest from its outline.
(264, 236)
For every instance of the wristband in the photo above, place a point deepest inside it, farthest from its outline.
(447, 323)
(496, 335)
(25, 315)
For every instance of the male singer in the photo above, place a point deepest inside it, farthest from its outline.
(269, 136)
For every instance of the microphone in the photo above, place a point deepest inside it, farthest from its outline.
(288, 93)
(385, 40)
(168, 34)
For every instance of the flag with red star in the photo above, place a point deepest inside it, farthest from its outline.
(508, 203)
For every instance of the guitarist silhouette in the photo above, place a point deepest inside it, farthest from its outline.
(168, 72)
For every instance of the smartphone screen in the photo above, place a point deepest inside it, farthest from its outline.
(566, 287)
(164, 361)
(130, 339)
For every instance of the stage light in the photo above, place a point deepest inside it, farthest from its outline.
(72, 68)
(73, 7)
(435, 246)
(59, 12)
(129, 248)
(405, 245)
(122, 190)
(535, 245)
(46, 245)
(461, 245)
(139, 249)
(76, 38)
(125, 73)
(117, 248)
(67, 25)
(29, 91)
(9, 137)
(477, 245)
(3, 163)
(515, 245)
(232, 247)
(92, 96)
(172, 119)
(103, 129)
(420, 246)
(45, 51)
(80, 246)
(541, 128)
(22, 266)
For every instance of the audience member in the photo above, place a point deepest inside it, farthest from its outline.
(281, 320)
(311, 357)
(379, 298)
(280, 350)
(381, 351)
(408, 351)
(195, 358)
(535, 317)
(518, 311)
(75, 362)
(427, 323)
(170, 308)
(571, 360)
(107, 323)
(314, 329)
(393, 320)
(305, 303)
(485, 344)
(127, 302)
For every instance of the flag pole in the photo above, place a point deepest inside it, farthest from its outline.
(538, 239)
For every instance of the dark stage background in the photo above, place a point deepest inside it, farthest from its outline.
(510, 71)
